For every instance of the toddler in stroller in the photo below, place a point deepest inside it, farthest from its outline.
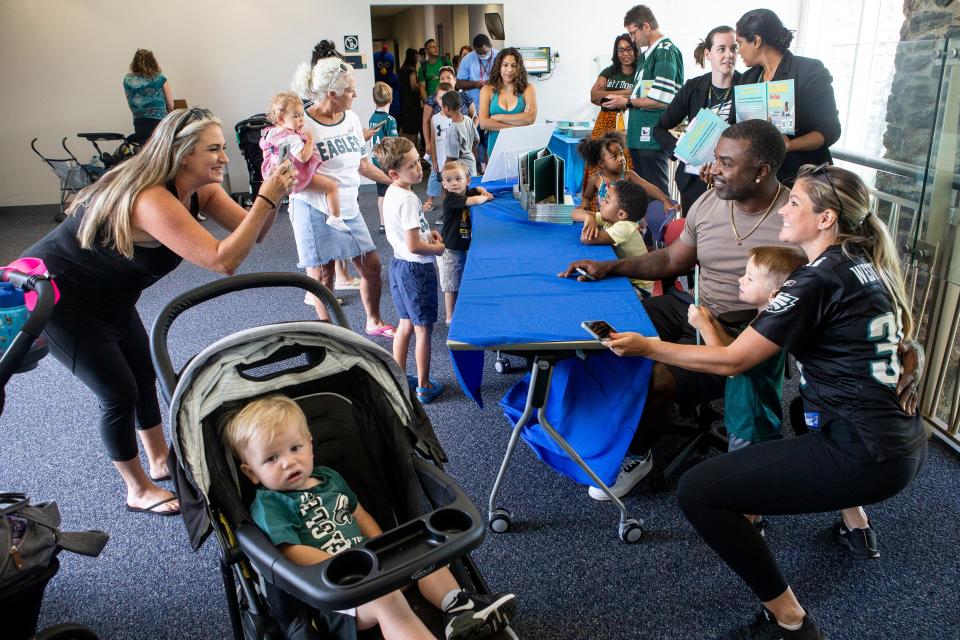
(311, 514)
(364, 423)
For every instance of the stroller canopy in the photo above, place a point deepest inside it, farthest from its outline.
(220, 374)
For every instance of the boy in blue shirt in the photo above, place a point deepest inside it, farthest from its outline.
(384, 125)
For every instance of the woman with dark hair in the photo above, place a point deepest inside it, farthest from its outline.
(148, 94)
(764, 46)
(409, 120)
(712, 91)
(617, 79)
(842, 316)
(508, 99)
(464, 50)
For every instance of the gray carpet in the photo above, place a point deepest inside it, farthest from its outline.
(573, 576)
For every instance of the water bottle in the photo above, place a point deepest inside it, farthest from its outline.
(13, 314)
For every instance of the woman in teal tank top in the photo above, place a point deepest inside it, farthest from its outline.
(508, 99)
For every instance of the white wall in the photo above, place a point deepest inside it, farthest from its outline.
(64, 60)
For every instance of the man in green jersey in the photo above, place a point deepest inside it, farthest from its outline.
(659, 77)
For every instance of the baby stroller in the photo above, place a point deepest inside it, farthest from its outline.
(365, 424)
(29, 533)
(75, 175)
(248, 139)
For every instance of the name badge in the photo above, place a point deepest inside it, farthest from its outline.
(644, 134)
(812, 420)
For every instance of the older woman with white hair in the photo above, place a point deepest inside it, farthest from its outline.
(124, 232)
(338, 133)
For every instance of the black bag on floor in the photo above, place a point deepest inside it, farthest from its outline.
(30, 539)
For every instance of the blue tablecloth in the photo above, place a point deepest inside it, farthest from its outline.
(511, 295)
(566, 148)
(494, 186)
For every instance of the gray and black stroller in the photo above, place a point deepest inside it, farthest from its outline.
(365, 424)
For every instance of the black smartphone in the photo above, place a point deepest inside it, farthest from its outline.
(586, 274)
(599, 329)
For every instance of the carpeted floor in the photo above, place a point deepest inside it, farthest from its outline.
(574, 577)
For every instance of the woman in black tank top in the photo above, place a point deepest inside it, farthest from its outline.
(123, 233)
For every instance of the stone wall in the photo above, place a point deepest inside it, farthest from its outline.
(912, 104)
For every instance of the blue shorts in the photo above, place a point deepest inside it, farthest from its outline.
(433, 184)
(413, 287)
(318, 243)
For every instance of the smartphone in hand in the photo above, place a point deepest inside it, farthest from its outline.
(599, 329)
(586, 274)
(284, 152)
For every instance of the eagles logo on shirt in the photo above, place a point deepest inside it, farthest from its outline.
(781, 303)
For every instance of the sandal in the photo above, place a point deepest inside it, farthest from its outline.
(426, 395)
(152, 509)
(383, 331)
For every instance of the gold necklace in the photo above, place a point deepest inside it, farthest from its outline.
(759, 222)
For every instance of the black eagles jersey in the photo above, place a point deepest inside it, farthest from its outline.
(840, 323)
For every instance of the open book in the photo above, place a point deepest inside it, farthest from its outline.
(771, 101)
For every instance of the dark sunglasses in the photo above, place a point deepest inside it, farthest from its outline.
(193, 114)
(822, 169)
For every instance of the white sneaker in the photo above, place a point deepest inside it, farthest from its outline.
(633, 469)
(337, 224)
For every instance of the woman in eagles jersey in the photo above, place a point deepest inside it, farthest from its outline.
(338, 133)
(842, 316)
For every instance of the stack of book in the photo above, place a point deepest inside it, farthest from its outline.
(553, 213)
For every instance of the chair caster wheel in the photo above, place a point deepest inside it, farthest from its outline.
(631, 531)
(502, 366)
(59, 217)
(499, 520)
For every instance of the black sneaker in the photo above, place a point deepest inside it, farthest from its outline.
(476, 615)
(859, 543)
(761, 524)
(765, 627)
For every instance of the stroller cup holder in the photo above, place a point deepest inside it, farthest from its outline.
(380, 565)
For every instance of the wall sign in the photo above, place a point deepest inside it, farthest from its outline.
(351, 44)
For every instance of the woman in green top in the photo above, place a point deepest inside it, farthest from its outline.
(148, 94)
(617, 79)
(508, 99)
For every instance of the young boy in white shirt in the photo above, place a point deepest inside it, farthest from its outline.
(413, 274)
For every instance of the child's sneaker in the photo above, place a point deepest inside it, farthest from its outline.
(859, 543)
(426, 395)
(476, 615)
(765, 627)
(633, 469)
(337, 224)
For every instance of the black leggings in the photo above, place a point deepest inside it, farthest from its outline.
(809, 474)
(120, 374)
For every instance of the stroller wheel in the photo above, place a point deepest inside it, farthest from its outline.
(499, 520)
(501, 365)
(59, 217)
(631, 530)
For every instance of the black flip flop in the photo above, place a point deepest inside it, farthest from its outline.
(161, 478)
(150, 510)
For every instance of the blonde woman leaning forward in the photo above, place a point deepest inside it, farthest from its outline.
(843, 316)
(124, 232)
